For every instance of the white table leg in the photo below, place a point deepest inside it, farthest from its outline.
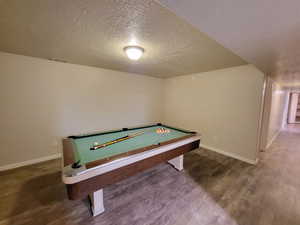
(177, 162)
(97, 202)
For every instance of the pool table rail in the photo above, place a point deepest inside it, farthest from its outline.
(96, 133)
(135, 151)
(68, 152)
(93, 176)
(96, 178)
(69, 147)
(73, 175)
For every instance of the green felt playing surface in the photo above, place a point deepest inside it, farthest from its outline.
(150, 137)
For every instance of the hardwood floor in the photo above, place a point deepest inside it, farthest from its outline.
(212, 190)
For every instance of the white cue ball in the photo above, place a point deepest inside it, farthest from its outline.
(95, 143)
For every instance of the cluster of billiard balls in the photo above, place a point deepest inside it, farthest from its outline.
(162, 130)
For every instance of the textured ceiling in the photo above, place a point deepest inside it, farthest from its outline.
(266, 33)
(93, 32)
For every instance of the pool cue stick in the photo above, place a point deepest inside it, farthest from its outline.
(117, 140)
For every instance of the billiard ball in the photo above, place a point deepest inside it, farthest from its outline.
(162, 131)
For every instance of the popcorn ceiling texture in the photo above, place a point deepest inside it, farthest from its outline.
(94, 33)
(263, 32)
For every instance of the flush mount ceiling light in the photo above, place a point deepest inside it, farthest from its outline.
(134, 52)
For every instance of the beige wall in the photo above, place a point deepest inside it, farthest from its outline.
(42, 101)
(223, 105)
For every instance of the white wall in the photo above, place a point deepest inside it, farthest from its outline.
(278, 111)
(223, 105)
(293, 107)
(42, 101)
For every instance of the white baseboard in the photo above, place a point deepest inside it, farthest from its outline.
(232, 155)
(273, 139)
(29, 162)
(58, 155)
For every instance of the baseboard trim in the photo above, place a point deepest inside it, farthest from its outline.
(29, 162)
(58, 155)
(273, 138)
(231, 155)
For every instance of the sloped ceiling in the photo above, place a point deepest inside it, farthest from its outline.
(266, 33)
(94, 33)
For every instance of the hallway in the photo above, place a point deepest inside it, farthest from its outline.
(212, 190)
(274, 196)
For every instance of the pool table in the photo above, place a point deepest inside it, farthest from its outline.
(86, 172)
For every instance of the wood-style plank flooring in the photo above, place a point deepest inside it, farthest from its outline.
(212, 190)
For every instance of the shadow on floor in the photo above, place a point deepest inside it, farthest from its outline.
(212, 190)
(35, 195)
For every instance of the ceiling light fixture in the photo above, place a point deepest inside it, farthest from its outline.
(134, 52)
